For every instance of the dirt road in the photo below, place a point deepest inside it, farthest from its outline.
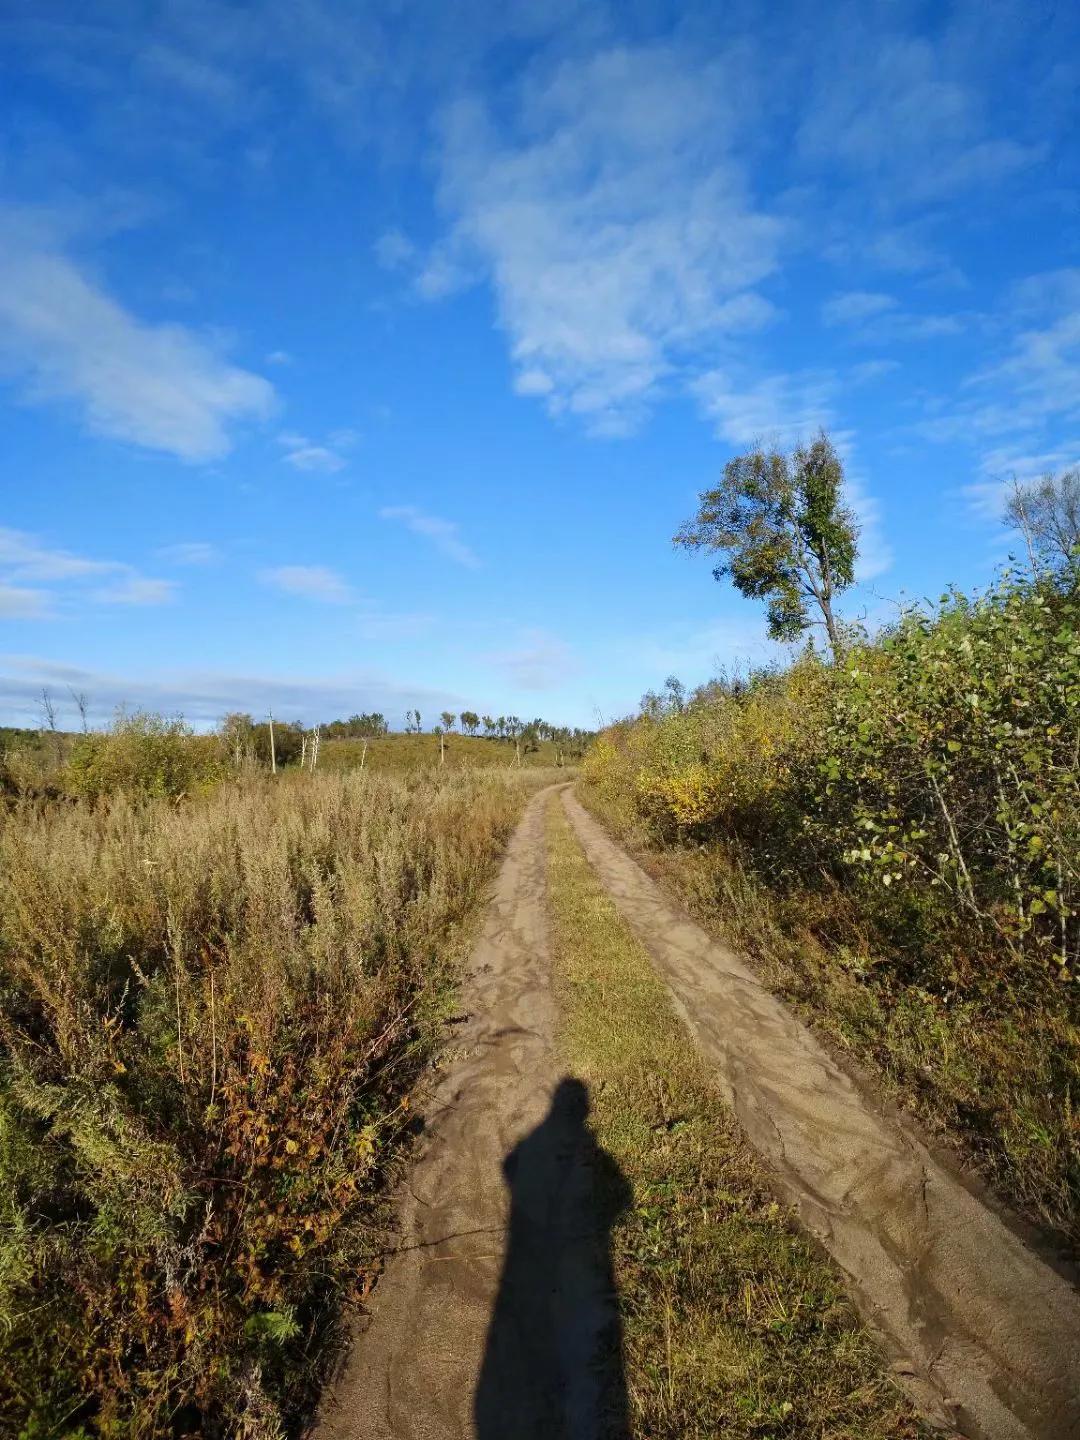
(491, 1319)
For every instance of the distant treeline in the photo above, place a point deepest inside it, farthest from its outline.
(487, 727)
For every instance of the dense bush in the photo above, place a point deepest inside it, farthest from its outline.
(950, 761)
(210, 1016)
(916, 809)
(144, 755)
(940, 762)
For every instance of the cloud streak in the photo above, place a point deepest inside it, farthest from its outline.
(24, 558)
(67, 340)
(310, 582)
(443, 534)
(314, 457)
(541, 661)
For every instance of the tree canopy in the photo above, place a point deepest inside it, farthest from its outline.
(1047, 514)
(786, 534)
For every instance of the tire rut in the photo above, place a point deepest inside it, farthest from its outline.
(982, 1334)
(460, 1340)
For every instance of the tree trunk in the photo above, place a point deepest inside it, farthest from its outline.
(836, 643)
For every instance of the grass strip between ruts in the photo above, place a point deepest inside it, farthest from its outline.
(733, 1323)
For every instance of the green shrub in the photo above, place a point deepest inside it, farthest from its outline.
(950, 766)
(145, 755)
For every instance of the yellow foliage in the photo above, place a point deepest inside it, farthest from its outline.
(691, 796)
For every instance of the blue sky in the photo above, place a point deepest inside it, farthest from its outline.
(368, 355)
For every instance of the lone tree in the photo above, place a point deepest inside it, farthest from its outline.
(786, 533)
(448, 717)
(1047, 514)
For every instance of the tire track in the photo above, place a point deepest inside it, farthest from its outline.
(981, 1332)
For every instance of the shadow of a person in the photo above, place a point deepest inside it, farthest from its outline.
(553, 1362)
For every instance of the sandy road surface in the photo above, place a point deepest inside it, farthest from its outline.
(985, 1336)
(491, 1319)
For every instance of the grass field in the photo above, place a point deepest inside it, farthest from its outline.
(733, 1324)
(211, 1015)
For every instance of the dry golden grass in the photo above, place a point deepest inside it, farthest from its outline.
(211, 1014)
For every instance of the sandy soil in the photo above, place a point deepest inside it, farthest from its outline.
(983, 1334)
(493, 1317)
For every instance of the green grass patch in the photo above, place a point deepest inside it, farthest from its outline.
(733, 1322)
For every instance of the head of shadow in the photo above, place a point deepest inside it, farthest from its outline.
(553, 1362)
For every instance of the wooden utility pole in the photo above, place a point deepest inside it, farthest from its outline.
(273, 752)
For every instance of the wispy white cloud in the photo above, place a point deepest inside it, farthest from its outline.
(395, 251)
(540, 661)
(614, 222)
(1021, 409)
(18, 602)
(444, 534)
(304, 454)
(376, 624)
(904, 112)
(66, 339)
(869, 370)
(697, 652)
(136, 590)
(779, 409)
(875, 553)
(852, 307)
(1001, 467)
(874, 317)
(24, 558)
(311, 582)
(190, 552)
(315, 457)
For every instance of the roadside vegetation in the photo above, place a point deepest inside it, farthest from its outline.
(892, 832)
(215, 996)
(733, 1323)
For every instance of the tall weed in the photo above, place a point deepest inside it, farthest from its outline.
(210, 1018)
